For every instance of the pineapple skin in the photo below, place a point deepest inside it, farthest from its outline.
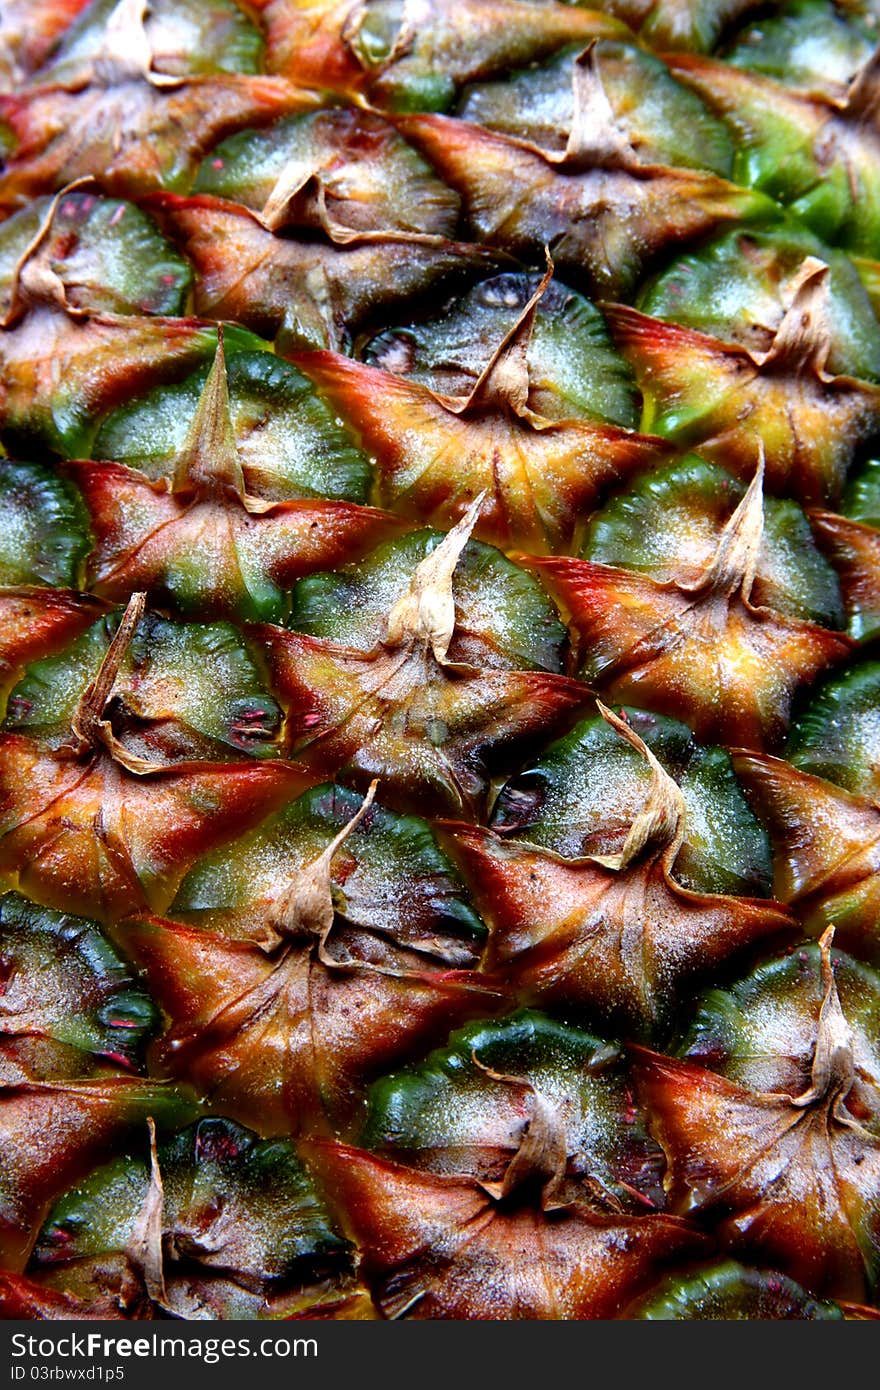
(438, 586)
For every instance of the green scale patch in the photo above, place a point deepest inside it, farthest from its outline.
(183, 691)
(574, 369)
(737, 289)
(390, 878)
(665, 122)
(503, 618)
(810, 45)
(370, 179)
(44, 527)
(289, 442)
(109, 255)
(838, 733)
(667, 526)
(732, 1292)
(186, 37)
(71, 1007)
(242, 1231)
(583, 795)
(462, 1110)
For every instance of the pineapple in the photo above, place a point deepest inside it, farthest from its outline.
(439, 581)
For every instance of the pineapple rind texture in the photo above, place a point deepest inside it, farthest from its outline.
(439, 596)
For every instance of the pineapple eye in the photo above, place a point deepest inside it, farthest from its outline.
(439, 667)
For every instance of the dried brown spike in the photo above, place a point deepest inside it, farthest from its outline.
(833, 1070)
(144, 1250)
(91, 730)
(664, 811)
(306, 906)
(426, 612)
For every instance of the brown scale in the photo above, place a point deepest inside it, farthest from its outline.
(808, 421)
(319, 43)
(612, 933)
(536, 1243)
(605, 216)
(59, 358)
(698, 649)
(794, 1179)
(121, 121)
(94, 828)
(403, 711)
(826, 845)
(146, 530)
(286, 1026)
(435, 452)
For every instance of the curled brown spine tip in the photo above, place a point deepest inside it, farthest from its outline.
(862, 98)
(126, 53)
(732, 568)
(305, 907)
(33, 281)
(91, 731)
(833, 1070)
(595, 140)
(542, 1152)
(504, 382)
(804, 336)
(661, 819)
(412, 11)
(426, 612)
(310, 190)
(144, 1249)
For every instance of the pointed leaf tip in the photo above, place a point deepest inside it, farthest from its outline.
(306, 906)
(144, 1250)
(833, 1069)
(291, 181)
(209, 461)
(426, 613)
(504, 382)
(90, 729)
(664, 812)
(863, 93)
(732, 568)
(595, 138)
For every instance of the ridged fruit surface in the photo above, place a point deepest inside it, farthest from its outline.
(439, 684)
